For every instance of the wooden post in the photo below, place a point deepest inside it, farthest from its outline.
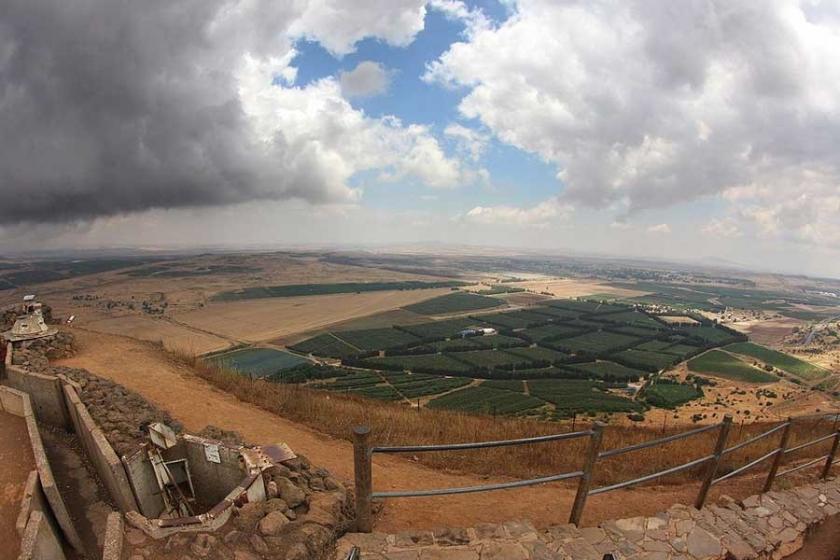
(717, 455)
(362, 468)
(777, 460)
(588, 466)
(831, 455)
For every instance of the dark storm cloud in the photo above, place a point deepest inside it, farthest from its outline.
(110, 106)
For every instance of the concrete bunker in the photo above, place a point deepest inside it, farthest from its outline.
(30, 323)
(190, 483)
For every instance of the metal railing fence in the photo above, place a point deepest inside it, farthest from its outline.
(363, 463)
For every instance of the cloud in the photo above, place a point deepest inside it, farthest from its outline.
(339, 24)
(114, 107)
(727, 228)
(662, 229)
(366, 79)
(646, 104)
(540, 215)
(470, 140)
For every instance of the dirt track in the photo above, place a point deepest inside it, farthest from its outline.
(16, 458)
(139, 366)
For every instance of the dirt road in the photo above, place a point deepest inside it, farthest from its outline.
(141, 367)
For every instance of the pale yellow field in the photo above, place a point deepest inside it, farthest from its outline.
(573, 287)
(173, 336)
(264, 319)
(678, 320)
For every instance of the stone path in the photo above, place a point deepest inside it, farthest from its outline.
(771, 525)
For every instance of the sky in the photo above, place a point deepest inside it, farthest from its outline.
(696, 130)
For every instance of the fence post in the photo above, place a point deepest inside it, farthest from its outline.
(362, 469)
(831, 455)
(711, 472)
(586, 477)
(777, 460)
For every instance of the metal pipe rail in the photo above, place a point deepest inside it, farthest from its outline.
(652, 476)
(804, 465)
(470, 489)
(656, 442)
(363, 462)
(478, 445)
(754, 439)
(748, 466)
(810, 443)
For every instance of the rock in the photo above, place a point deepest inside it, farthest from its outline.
(317, 484)
(325, 509)
(332, 484)
(234, 537)
(451, 536)
(203, 545)
(244, 555)
(276, 504)
(701, 544)
(272, 523)
(248, 516)
(290, 493)
(297, 551)
(504, 551)
(258, 544)
(271, 489)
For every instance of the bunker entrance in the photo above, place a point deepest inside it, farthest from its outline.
(185, 482)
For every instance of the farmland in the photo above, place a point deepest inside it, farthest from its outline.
(456, 302)
(577, 395)
(671, 395)
(376, 339)
(325, 345)
(596, 343)
(557, 342)
(487, 400)
(784, 362)
(608, 371)
(491, 359)
(648, 361)
(296, 290)
(435, 363)
(258, 362)
(723, 364)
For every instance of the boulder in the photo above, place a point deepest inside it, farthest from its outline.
(290, 493)
(272, 523)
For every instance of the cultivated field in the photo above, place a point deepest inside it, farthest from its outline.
(724, 364)
(258, 320)
(573, 287)
(172, 335)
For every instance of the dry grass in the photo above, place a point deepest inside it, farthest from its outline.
(393, 424)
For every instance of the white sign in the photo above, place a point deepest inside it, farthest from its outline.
(211, 452)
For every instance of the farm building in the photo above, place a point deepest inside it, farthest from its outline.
(477, 331)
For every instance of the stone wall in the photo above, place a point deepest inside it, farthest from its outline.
(767, 526)
(100, 453)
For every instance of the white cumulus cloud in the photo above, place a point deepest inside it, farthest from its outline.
(649, 103)
(540, 215)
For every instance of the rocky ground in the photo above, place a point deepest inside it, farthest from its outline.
(771, 525)
(307, 511)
